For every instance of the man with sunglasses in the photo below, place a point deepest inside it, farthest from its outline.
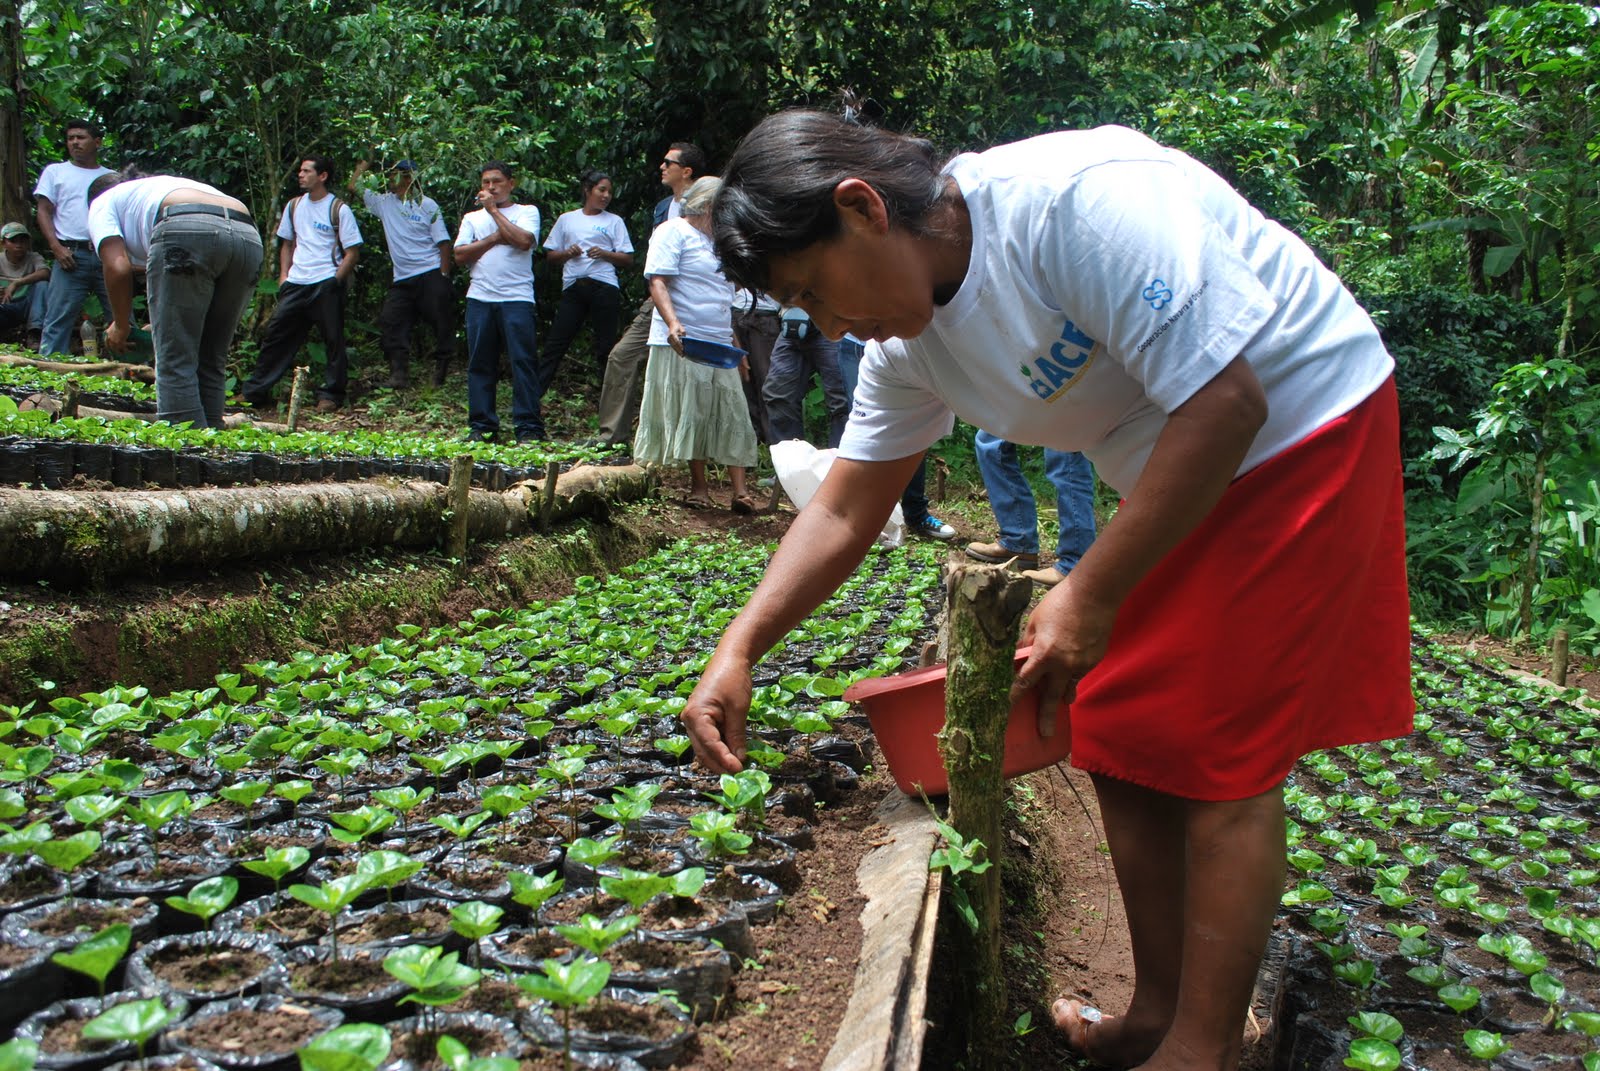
(681, 164)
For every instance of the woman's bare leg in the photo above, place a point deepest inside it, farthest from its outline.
(1233, 884)
(1200, 883)
(697, 479)
(736, 477)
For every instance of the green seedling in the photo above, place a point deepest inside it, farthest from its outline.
(436, 977)
(1484, 1044)
(1549, 989)
(361, 824)
(531, 891)
(567, 986)
(474, 920)
(137, 1021)
(595, 935)
(502, 801)
(960, 856)
(206, 900)
(245, 795)
(66, 854)
(155, 812)
(341, 764)
(98, 956)
(385, 869)
(19, 1054)
(12, 804)
(629, 804)
(719, 834)
(456, 1057)
(461, 828)
(331, 897)
(403, 799)
(676, 746)
(1460, 997)
(745, 794)
(352, 1047)
(278, 864)
(90, 810)
(23, 841)
(294, 791)
(636, 887)
(1372, 1054)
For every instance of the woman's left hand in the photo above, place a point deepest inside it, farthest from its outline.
(676, 333)
(1069, 632)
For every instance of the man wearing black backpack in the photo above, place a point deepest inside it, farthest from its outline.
(316, 257)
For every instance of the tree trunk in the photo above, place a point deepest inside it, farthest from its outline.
(14, 199)
(72, 537)
(986, 604)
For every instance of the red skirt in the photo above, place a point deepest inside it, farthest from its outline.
(1279, 626)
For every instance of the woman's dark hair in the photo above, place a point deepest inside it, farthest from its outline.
(777, 191)
(590, 179)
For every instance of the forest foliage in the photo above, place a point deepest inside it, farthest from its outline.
(1440, 156)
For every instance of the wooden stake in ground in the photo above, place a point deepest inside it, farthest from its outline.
(986, 603)
(294, 397)
(457, 498)
(1559, 656)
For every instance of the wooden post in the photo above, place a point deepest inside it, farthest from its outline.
(547, 495)
(986, 603)
(294, 396)
(69, 399)
(1558, 657)
(456, 498)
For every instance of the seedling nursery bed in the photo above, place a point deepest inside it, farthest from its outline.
(488, 833)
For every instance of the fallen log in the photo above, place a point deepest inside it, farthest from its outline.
(74, 537)
(51, 405)
(142, 372)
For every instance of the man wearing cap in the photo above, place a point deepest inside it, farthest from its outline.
(419, 248)
(22, 282)
(200, 253)
(63, 217)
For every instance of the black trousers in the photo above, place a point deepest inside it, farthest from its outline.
(586, 299)
(302, 306)
(428, 297)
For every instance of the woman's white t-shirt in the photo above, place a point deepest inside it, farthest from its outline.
(1110, 279)
(701, 297)
(603, 230)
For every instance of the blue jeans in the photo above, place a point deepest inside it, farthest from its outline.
(1012, 499)
(27, 310)
(200, 277)
(789, 380)
(492, 325)
(914, 500)
(68, 289)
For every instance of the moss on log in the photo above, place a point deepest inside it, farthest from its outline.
(73, 537)
(142, 372)
(986, 603)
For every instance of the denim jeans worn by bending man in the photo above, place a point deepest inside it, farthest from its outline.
(491, 327)
(68, 289)
(1012, 499)
(914, 500)
(789, 380)
(200, 275)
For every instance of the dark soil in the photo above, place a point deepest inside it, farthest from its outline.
(496, 997)
(636, 956)
(66, 1035)
(83, 918)
(201, 971)
(25, 885)
(420, 1046)
(570, 911)
(12, 956)
(246, 1032)
(349, 975)
(616, 1017)
(388, 925)
(291, 921)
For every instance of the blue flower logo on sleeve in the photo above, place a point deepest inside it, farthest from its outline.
(1157, 294)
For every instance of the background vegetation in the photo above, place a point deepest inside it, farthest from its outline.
(1441, 156)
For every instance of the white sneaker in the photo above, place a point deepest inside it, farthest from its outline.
(933, 528)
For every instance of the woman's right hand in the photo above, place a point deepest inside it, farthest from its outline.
(676, 333)
(715, 715)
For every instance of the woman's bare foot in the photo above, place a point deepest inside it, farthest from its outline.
(1102, 1039)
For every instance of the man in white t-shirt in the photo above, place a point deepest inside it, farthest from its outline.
(63, 213)
(623, 385)
(317, 252)
(496, 244)
(419, 249)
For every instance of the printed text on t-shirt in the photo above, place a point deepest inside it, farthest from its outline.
(1053, 374)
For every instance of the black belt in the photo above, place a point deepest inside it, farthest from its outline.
(77, 243)
(195, 208)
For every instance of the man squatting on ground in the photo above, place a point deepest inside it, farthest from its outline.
(63, 215)
(419, 249)
(25, 275)
(200, 253)
(319, 243)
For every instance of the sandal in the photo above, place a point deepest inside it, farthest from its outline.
(697, 501)
(742, 504)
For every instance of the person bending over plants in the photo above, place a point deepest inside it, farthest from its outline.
(1095, 291)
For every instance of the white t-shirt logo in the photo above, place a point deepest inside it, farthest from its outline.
(1158, 294)
(1052, 374)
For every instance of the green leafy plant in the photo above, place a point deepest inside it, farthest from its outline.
(19, 1054)
(351, 1047)
(457, 1057)
(98, 956)
(206, 900)
(1484, 1044)
(136, 1021)
(436, 977)
(278, 864)
(474, 920)
(567, 986)
(331, 897)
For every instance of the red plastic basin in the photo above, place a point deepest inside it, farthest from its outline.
(907, 711)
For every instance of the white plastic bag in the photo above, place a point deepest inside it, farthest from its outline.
(801, 468)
